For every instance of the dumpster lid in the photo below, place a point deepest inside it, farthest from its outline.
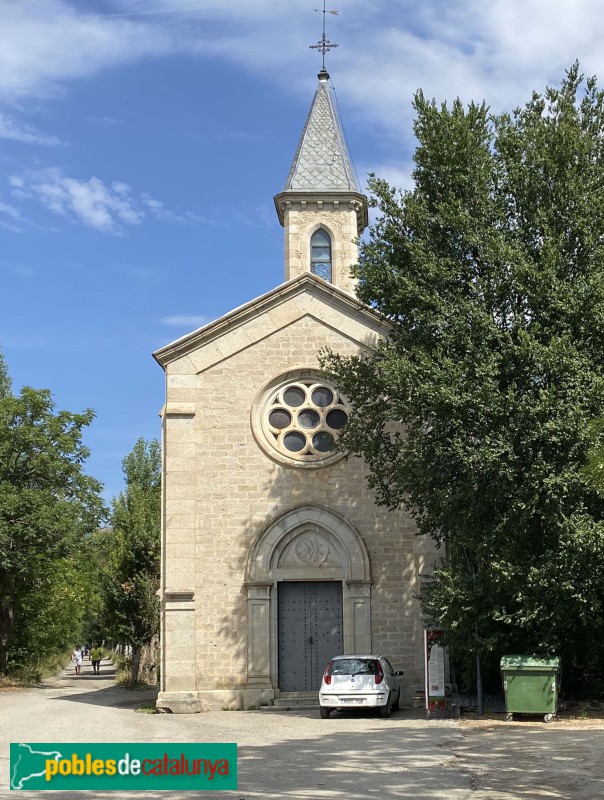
(529, 662)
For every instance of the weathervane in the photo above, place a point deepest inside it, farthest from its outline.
(324, 45)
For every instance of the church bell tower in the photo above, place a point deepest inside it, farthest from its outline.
(321, 208)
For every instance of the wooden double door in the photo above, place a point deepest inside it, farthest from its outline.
(310, 632)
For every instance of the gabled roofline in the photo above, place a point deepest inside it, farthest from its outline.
(238, 316)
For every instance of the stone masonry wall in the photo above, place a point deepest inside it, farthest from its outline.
(340, 222)
(238, 490)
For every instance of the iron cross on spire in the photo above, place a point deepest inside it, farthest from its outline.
(324, 45)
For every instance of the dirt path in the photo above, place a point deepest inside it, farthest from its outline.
(560, 761)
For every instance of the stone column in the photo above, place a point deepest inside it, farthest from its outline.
(178, 686)
(357, 628)
(178, 680)
(258, 688)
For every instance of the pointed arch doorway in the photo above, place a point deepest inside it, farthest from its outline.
(307, 577)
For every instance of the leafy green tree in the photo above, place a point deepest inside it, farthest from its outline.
(95, 560)
(47, 504)
(49, 616)
(134, 558)
(477, 412)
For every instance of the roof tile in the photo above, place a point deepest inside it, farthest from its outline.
(321, 160)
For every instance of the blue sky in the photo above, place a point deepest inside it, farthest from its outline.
(142, 141)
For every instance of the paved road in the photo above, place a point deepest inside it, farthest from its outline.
(296, 755)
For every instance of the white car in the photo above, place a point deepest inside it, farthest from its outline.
(360, 682)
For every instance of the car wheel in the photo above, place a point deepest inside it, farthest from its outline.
(385, 710)
(397, 703)
(325, 712)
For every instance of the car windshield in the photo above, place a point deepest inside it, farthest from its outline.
(354, 666)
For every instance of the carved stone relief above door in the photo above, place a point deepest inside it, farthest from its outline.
(310, 549)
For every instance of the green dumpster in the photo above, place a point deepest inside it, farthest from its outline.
(531, 685)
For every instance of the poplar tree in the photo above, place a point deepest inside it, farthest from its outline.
(477, 413)
(133, 567)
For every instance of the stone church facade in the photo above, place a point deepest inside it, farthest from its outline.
(274, 555)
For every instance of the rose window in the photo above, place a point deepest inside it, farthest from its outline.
(302, 419)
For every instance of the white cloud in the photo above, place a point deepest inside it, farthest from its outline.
(499, 50)
(91, 202)
(11, 218)
(150, 202)
(185, 321)
(10, 211)
(121, 188)
(44, 43)
(105, 207)
(158, 210)
(398, 175)
(22, 132)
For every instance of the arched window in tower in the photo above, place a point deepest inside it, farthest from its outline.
(320, 254)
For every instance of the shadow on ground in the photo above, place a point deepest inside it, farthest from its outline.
(379, 765)
(376, 764)
(116, 696)
(108, 674)
(99, 695)
(113, 696)
(533, 761)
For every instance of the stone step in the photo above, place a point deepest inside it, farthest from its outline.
(290, 701)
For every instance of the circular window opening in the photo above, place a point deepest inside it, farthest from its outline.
(308, 418)
(280, 418)
(294, 441)
(323, 442)
(298, 420)
(322, 396)
(336, 419)
(294, 396)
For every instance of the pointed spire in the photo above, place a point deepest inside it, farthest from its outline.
(321, 162)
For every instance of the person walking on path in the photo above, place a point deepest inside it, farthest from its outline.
(77, 657)
(96, 653)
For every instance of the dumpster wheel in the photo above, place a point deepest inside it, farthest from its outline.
(549, 718)
(509, 717)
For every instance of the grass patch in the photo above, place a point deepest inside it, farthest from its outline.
(31, 674)
(10, 684)
(124, 679)
(123, 668)
(147, 708)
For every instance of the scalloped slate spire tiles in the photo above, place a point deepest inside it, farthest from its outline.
(321, 162)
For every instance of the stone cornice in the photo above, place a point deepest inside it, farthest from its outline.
(323, 199)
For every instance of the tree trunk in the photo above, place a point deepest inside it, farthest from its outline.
(7, 616)
(135, 664)
(479, 693)
(148, 664)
